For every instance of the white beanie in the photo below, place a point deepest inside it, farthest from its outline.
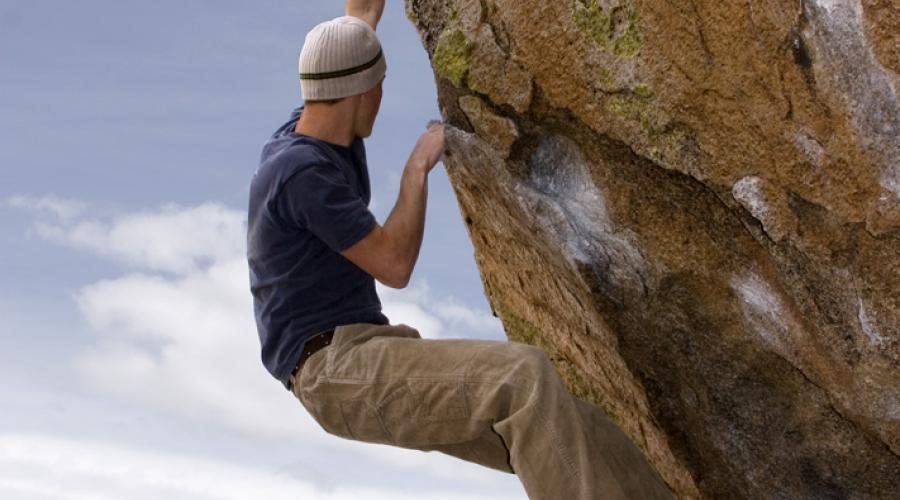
(341, 57)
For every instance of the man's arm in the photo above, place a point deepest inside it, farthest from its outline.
(367, 10)
(389, 253)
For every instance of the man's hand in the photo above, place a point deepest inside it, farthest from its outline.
(430, 147)
(367, 10)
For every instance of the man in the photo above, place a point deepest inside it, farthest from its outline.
(314, 252)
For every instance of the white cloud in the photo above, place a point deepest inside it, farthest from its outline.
(36, 466)
(172, 239)
(180, 336)
(437, 316)
(187, 344)
(60, 208)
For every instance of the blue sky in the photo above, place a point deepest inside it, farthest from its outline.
(130, 366)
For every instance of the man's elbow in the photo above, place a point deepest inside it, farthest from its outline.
(397, 284)
(404, 281)
(368, 10)
(399, 279)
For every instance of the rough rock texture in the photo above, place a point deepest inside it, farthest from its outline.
(694, 207)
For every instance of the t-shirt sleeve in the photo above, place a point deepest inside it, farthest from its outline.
(320, 199)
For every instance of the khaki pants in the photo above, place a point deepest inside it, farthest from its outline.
(498, 404)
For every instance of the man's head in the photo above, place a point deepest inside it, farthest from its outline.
(342, 68)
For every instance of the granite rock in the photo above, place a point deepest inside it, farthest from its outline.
(694, 208)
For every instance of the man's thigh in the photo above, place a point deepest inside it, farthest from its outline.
(385, 384)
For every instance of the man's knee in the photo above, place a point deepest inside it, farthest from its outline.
(533, 363)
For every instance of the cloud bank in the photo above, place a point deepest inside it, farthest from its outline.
(35, 467)
(175, 331)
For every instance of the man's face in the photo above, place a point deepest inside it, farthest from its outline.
(369, 104)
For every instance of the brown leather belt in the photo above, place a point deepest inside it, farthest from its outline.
(312, 345)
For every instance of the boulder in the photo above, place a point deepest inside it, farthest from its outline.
(694, 208)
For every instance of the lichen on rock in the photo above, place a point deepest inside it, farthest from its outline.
(628, 42)
(593, 20)
(452, 55)
(635, 106)
(613, 28)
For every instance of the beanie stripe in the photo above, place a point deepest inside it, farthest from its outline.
(343, 72)
(340, 58)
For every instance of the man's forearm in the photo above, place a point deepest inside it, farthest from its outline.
(367, 10)
(405, 225)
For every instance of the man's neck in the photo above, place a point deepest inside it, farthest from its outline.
(329, 125)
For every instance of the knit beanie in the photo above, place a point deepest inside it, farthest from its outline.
(341, 57)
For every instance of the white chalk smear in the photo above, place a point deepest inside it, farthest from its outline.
(874, 336)
(764, 312)
(748, 192)
(566, 202)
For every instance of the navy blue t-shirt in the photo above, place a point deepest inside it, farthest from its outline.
(308, 202)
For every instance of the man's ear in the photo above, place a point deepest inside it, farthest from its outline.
(357, 104)
(372, 91)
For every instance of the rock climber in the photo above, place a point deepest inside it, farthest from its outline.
(314, 252)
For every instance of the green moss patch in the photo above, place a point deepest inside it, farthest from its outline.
(592, 20)
(629, 42)
(621, 36)
(669, 146)
(643, 91)
(520, 330)
(452, 56)
(637, 106)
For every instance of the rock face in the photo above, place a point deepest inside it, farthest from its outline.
(694, 208)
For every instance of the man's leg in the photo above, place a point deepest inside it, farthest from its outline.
(385, 384)
(488, 450)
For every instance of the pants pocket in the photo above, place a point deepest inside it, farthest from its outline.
(439, 400)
